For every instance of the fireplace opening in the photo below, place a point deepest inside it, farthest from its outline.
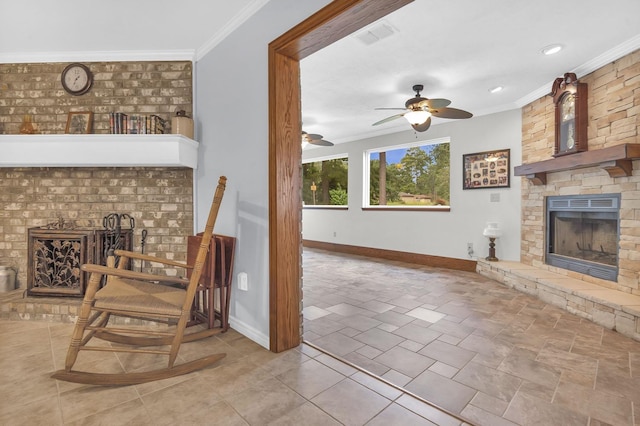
(583, 233)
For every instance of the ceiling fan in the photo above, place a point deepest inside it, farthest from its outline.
(418, 111)
(314, 139)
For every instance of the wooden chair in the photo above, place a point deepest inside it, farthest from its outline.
(144, 296)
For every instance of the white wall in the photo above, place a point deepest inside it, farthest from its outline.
(233, 79)
(428, 232)
(232, 84)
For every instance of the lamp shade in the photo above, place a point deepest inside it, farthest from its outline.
(417, 117)
(492, 230)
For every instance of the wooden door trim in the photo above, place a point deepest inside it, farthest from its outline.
(335, 21)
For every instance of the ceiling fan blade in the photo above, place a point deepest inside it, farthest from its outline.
(385, 120)
(321, 142)
(314, 136)
(451, 113)
(422, 127)
(438, 103)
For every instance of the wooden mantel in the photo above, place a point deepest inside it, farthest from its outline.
(616, 160)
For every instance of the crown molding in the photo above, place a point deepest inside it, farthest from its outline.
(598, 62)
(230, 27)
(98, 56)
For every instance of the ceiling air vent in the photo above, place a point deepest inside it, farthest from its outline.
(375, 32)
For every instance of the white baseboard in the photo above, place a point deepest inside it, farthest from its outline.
(250, 332)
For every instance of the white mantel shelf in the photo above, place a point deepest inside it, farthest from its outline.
(98, 151)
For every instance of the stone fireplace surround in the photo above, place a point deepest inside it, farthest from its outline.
(613, 130)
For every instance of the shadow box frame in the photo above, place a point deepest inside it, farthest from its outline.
(487, 169)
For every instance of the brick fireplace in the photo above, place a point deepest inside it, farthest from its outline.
(133, 174)
(159, 198)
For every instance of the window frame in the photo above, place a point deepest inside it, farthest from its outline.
(366, 181)
(327, 158)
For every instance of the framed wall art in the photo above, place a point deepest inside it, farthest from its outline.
(489, 169)
(79, 122)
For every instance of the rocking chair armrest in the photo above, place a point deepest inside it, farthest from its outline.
(140, 256)
(125, 273)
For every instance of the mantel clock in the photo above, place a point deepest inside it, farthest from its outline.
(570, 100)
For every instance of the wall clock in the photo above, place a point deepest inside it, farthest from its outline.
(76, 79)
(570, 100)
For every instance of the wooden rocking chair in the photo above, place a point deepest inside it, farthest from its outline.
(144, 296)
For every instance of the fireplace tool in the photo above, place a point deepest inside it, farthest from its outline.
(142, 243)
(113, 237)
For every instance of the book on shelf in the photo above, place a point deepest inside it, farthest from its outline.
(135, 124)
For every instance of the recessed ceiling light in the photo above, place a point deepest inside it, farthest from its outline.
(552, 49)
(496, 89)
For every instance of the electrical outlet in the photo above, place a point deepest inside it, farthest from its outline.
(334, 233)
(243, 281)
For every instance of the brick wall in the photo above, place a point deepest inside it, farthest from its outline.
(160, 88)
(614, 118)
(160, 200)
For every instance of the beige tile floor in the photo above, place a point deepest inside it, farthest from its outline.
(469, 344)
(251, 386)
(465, 342)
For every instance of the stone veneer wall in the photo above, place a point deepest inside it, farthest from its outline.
(160, 200)
(160, 88)
(614, 118)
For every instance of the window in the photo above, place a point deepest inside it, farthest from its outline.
(324, 182)
(409, 175)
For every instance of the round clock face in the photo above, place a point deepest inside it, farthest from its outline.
(76, 79)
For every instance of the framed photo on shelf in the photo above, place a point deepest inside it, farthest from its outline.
(79, 122)
(489, 169)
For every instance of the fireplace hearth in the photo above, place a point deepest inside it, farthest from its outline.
(583, 233)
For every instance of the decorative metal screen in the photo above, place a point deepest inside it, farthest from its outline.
(55, 257)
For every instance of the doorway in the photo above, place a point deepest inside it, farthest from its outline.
(337, 20)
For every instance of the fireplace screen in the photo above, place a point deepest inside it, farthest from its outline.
(55, 257)
(583, 234)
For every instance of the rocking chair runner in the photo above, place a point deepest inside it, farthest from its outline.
(143, 296)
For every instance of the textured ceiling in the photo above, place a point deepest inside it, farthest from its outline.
(459, 50)
(456, 49)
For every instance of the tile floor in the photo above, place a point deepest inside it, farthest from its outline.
(472, 346)
(251, 386)
(469, 344)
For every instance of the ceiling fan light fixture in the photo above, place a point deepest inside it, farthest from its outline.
(417, 117)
